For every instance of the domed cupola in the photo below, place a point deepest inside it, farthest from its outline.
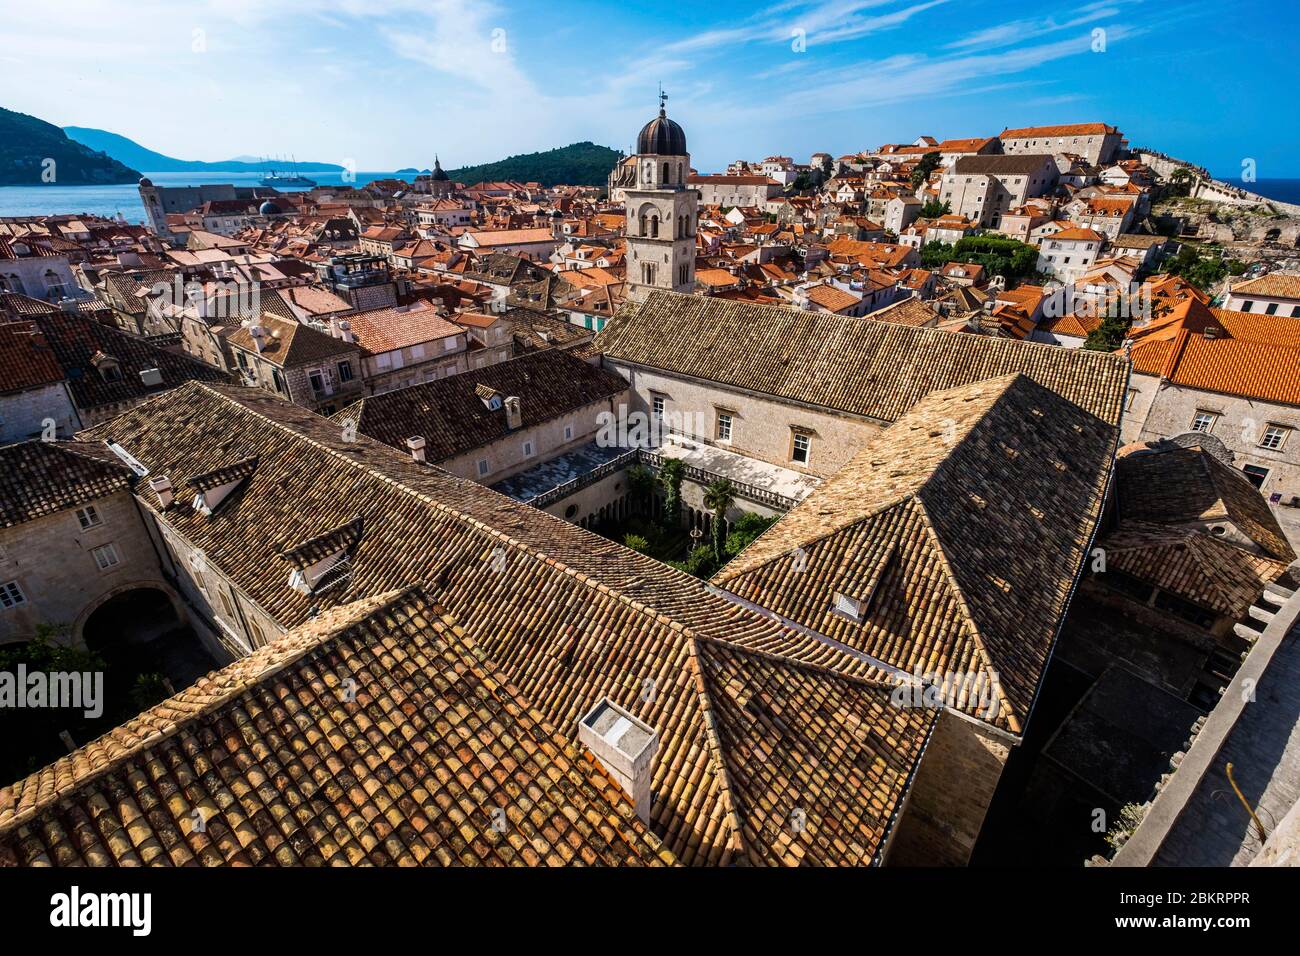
(438, 175)
(661, 137)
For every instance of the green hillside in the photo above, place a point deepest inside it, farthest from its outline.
(582, 164)
(27, 142)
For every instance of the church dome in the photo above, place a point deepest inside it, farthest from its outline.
(269, 208)
(438, 175)
(661, 137)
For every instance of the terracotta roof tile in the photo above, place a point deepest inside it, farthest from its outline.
(875, 369)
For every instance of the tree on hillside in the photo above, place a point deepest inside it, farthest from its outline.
(933, 209)
(1202, 271)
(928, 164)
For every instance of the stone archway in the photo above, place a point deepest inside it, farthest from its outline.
(143, 628)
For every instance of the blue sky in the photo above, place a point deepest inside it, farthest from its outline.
(387, 83)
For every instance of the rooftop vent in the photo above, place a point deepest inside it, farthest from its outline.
(625, 746)
(416, 444)
(162, 487)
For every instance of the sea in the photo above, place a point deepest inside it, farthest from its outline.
(52, 199)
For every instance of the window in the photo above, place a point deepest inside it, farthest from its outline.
(228, 603)
(724, 427)
(1248, 305)
(801, 448)
(278, 380)
(568, 433)
(1272, 309)
(317, 381)
(1274, 437)
(258, 634)
(1256, 475)
(482, 467)
(658, 403)
(88, 517)
(11, 595)
(1204, 421)
(345, 371)
(449, 344)
(106, 557)
(528, 449)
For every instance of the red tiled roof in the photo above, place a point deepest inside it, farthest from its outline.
(25, 359)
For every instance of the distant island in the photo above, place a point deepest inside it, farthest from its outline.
(581, 164)
(132, 153)
(29, 147)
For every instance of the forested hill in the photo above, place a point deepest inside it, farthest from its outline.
(582, 164)
(27, 144)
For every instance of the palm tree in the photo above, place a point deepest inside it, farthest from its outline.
(718, 498)
(640, 483)
(671, 473)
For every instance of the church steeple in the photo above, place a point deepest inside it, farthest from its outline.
(661, 211)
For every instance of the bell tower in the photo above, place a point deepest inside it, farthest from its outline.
(661, 211)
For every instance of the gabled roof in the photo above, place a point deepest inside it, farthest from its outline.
(437, 742)
(874, 369)
(1071, 129)
(386, 330)
(39, 478)
(75, 340)
(1197, 567)
(983, 498)
(291, 344)
(568, 616)
(26, 361)
(1278, 285)
(1173, 485)
(449, 413)
(1247, 354)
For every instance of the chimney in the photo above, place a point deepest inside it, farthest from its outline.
(625, 747)
(514, 415)
(258, 333)
(416, 444)
(162, 487)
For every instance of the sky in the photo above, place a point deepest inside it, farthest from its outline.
(385, 84)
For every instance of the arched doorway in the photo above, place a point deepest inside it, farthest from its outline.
(138, 631)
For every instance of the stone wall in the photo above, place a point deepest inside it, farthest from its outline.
(950, 795)
(51, 560)
(1163, 410)
(22, 413)
(761, 426)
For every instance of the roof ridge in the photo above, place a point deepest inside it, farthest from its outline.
(785, 660)
(736, 845)
(735, 571)
(968, 620)
(531, 552)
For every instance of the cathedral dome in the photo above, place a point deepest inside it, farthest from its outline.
(438, 175)
(661, 137)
